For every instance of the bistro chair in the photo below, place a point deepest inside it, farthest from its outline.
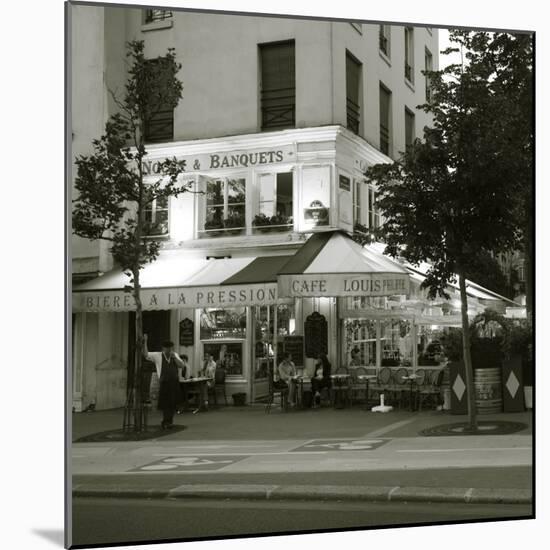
(358, 386)
(219, 385)
(431, 393)
(273, 391)
(384, 383)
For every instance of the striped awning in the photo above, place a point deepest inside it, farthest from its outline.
(332, 264)
(174, 280)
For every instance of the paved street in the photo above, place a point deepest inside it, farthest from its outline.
(229, 441)
(162, 519)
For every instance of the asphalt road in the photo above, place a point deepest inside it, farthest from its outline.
(141, 520)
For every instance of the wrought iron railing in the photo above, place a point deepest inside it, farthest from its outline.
(408, 72)
(384, 140)
(383, 43)
(353, 115)
(278, 108)
(157, 15)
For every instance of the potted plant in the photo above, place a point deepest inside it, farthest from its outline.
(234, 224)
(280, 222)
(262, 223)
(211, 227)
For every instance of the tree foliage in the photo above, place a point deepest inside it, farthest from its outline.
(112, 193)
(453, 195)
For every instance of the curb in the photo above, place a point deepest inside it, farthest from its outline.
(308, 492)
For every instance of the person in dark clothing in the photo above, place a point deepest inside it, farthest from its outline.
(321, 379)
(169, 366)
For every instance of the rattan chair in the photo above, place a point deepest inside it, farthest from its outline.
(273, 391)
(432, 392)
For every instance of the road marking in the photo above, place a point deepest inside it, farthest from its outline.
(390, 428)
(462, 450)
(240, 454)
(392, 491)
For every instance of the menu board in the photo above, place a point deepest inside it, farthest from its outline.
(187, 332)
(295, 346)
(316, 334)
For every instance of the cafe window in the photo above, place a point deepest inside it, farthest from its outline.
(374, 212)
(385, 120)
(227, 355)
(384, 39)
(275, 206)
(315, 196)
(278, 85)
(409, 54)
(223, 323)
(409, 128)
(223, 207)
(156, 218)
(353, 93)
(360, 342)
(397, 343)
(160, 125)
(428, 66)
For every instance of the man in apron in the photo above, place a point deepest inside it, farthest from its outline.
(168, 365)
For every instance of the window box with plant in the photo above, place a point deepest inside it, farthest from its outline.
(234, 224)
(269, 224)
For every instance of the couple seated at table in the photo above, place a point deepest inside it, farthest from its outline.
(321, 379)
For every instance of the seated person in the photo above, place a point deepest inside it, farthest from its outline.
(355, 357)
(286, 371)
(321, 378)
(209, 369)
(184, 373)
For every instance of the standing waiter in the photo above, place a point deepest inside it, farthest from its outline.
(168, 364)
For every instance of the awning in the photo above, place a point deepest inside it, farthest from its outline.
(332, 264)
(174, 280)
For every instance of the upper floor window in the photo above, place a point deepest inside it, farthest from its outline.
(160, 126)
(385, 120)
(374, 212)
(223, 209)
(384, 39)
(275, 206)
(353, 93)
(357, 185)
(278, 85)
(157, 15)
(428, 66)
(156, 217)
(409, 54)
(409, 128)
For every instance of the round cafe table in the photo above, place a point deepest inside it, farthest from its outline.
(199, 383)
(299, 381)
(367, 378)
(340, 386)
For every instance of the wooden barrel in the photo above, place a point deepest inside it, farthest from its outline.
(488, 388)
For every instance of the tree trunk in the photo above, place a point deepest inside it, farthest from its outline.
(528, 266)
(138, 402)
(470, 390)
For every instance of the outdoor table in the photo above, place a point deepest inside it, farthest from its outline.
(412, 379)
(367, 378)
(299, 381)
(199, 383)
(339, 381)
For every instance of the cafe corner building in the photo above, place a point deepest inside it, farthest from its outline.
(259, 262)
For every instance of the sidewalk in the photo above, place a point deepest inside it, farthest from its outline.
(320, 454)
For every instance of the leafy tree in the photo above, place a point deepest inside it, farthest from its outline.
(112, 194)
(450, 197)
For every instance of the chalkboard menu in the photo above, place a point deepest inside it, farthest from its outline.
(295, 346)
(187, 332)
(316, 334)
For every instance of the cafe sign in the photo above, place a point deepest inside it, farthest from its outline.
(343, 284)
(223, 160)
(175, 298)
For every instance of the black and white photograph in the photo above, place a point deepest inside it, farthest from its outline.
(301, 271)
